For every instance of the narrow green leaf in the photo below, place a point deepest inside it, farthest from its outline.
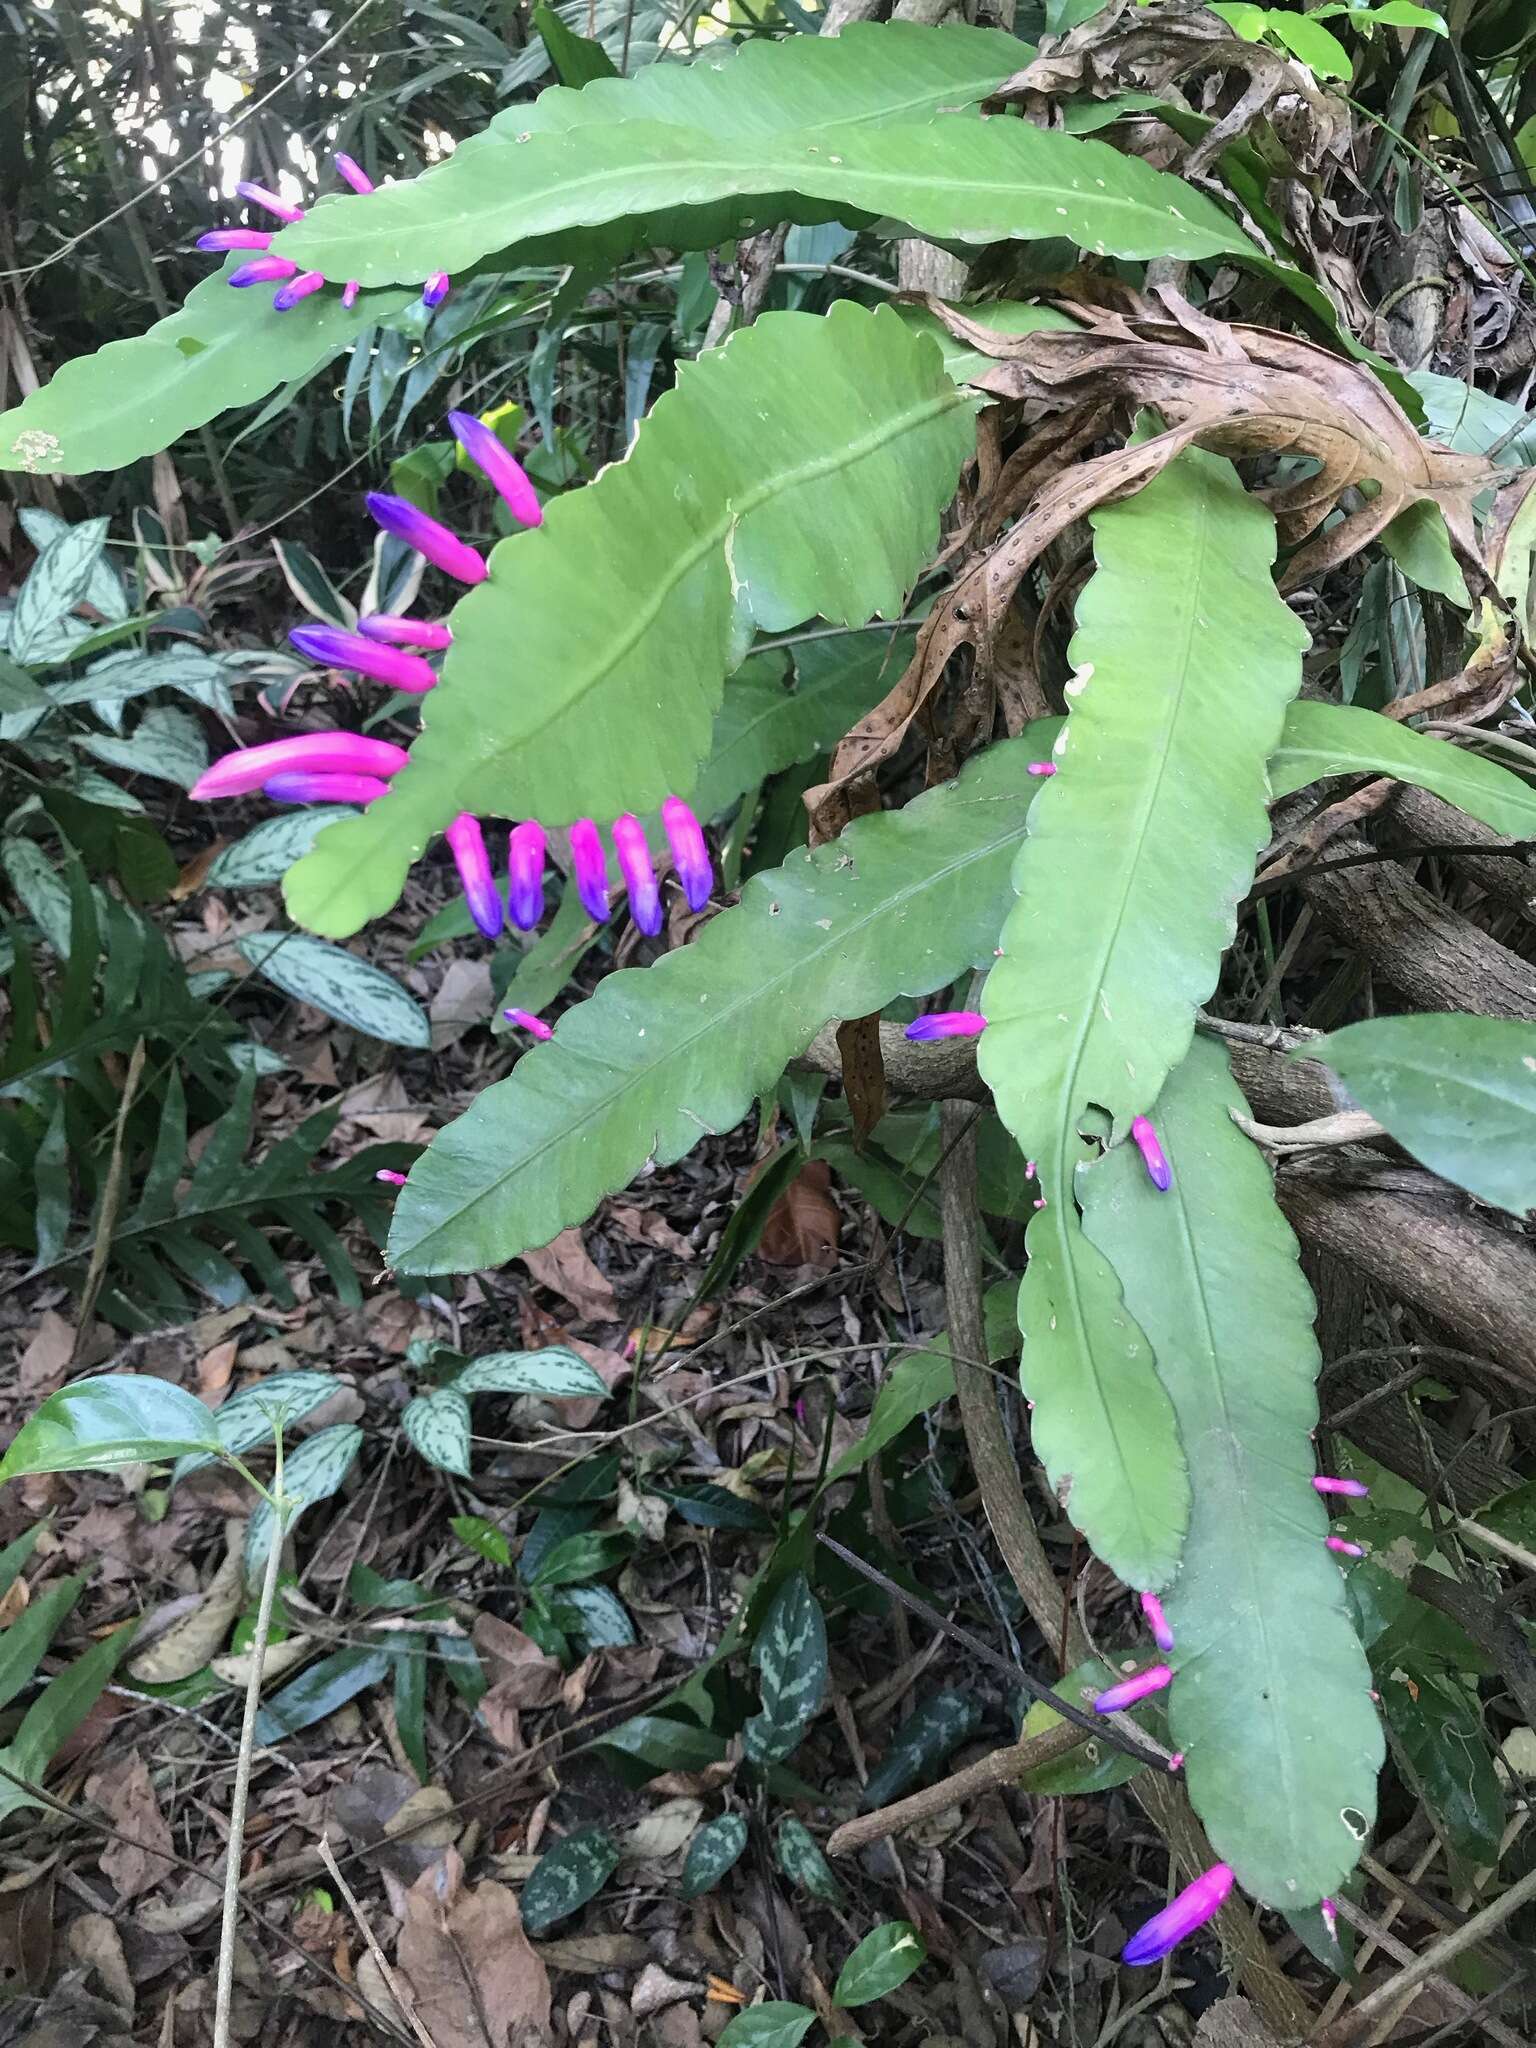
(556, 1373)
(1271, 1695)
(925, 1740)
(576, 1558)
(713, 1851)
(269, 850)
(63, 1704)
(885, 1958)
(773, 2024)
(24, 1643)
(574, 1871)
(663, 1744)
(791, 1655)
(119, 1419)
(1459, 1093)
(313, 1473)
(484, 1537)
(55, 584)
(333, 980)
(728, 514)
(798, 1855)
(321, 1690)
(438, 1425)
(1344, 739)
(1158, 813)
(900, 904)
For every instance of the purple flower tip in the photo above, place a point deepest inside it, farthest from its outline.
(525, 874)
(1157, 1621)
(526, 1020)
(428, 536)
(1176, 1761)
(946, 1024)
(1159, 1172)
(388, 1173)
(466, 842)
(435, 290)
(320, 753)
(590, 867)
(353, 172)
(301, 287)
(1132, 1689)
(1342, 1546)
(639, 876)
(1330, 1913)
(1352, 1487)
(690, 855)
(263, 270)
(298, 788)
(484, 448)
(405, 632)
(366, 657)
(1180, 1917)
(1041, 768)
(218, 240)
(349, 292)
(258, 195)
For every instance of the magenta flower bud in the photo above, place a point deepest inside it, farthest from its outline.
(1343, 1547)
(485, 450)
(590, 867)
(306, 282)
(639, 876)
(1157, 1621)
(1159, 1172)
(466, 842)
(946, 1024)
(427, 536)
(388, 1173)
(1132, 1689)
(262, 270)
(258, 195)
(1040, 768)
(435, 290)
(1176, 1761)
(349, 292)
(1193, 1906)
(298, 788)
(528, 1022)
(690, 855)
(405, 632)
(323, 753)
(1330, 1913)
(525, 874)
(350, 650)
(353, 172)
(1352, 1487)
(218, 240)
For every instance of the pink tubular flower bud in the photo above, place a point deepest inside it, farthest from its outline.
(350, 650)
(1040, 768)
(219, 240)
(405, 632)
(639, 876)
(1342, 1547)
(525, 874)
(262, 270)
(258, 195)
(589, 865)
(353, 172)
(320, 753)
(526, 1021)
(1353, 1488)
(349, 292)
(1159, 1172)
(301, 287)
(1193, 1906)
(946, 1024)
(690, 854)
(1330, 1913)
(484, 448)
(298, 788)
(428, 536)
(466, 842)
(1157, 1621)
(435, 290)
(388, 1173)
(1130, 1690)
(1176, 1761)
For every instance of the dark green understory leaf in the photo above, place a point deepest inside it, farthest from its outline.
(774, 2024)
(1459, 1093)
(885, 1958)
(1437, 1722)
(574, 1871)
(798, 1855)
(713, 1851)
(1096, 1767)
(925, 1740)
(320, 1690)
(791, 1656)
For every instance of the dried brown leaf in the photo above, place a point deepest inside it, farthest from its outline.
(126, 1797)
(804, 1223)
(565, 1267)
(189, 1643)
(467, 1963)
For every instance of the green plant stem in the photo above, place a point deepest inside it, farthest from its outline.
(224, 1991)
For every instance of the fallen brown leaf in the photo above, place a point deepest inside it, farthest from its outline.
(804, 1223)
(466, 1961)
(518, 1669)
(462, 1003)
(46, 1359)
(647, 1227)
(565, 1267)
(127, 1799)
(189, 1643)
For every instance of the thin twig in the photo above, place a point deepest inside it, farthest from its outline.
(988, 1774)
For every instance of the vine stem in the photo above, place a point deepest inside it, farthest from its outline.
(225, 1986)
